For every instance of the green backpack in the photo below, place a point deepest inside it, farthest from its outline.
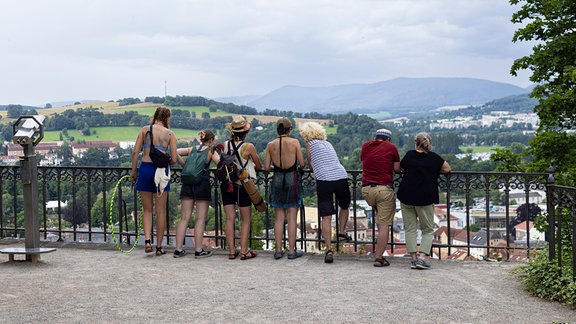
(195, 168)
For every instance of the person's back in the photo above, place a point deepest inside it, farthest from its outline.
(324, 161)
(284, 152)
(378, 157)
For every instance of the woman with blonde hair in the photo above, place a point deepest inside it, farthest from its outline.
(418, 192)
(196, 195)
(153, 194)
(331, 181)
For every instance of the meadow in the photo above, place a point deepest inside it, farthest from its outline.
(116, 134)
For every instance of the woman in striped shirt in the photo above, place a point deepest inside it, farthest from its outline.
(331, 181)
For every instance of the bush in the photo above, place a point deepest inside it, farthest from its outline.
(545, 279)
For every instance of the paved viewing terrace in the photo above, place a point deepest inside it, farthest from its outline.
(89, 282)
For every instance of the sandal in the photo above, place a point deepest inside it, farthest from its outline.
(381, 262)
(329, 257)
(234, 255)
(147, 246)
(247, 255)
(159, 251)
(344, 238)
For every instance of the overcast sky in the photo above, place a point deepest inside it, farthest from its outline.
(59, 50)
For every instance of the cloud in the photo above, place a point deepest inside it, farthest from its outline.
(75, 50)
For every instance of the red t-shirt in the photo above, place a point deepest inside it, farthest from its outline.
(378, 159)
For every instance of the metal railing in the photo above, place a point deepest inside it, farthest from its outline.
(561, 208)
(473, 227)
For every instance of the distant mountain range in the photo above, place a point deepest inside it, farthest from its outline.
(397, 97)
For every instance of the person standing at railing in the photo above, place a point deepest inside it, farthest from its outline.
(284, 157)
(331, 181)
(164, 140)
(196, 195)
(418, 192)
(237, 195)
(380, 159)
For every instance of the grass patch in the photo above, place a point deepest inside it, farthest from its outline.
(331, 130)
(116, 134)
(379, 116)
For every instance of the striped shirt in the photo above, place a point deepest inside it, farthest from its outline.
(325, 162)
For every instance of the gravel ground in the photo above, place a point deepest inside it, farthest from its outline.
(96, 283)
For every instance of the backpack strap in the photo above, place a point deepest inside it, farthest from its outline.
(236, 148)
(149, 133)
(159, 147)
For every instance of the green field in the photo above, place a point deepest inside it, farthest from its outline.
(127, 133)
(331, 130)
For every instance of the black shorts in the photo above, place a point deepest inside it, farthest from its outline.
(238, 196)
(326, 190)
(200, 191)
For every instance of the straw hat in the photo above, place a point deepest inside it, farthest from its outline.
(238, 125)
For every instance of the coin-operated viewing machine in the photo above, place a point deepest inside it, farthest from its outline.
(28, 131)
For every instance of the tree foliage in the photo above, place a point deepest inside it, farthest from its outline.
(552, 24)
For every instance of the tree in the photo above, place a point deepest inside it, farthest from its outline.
(76, 213)
(65, 153)
(14, 111)
(552, 25)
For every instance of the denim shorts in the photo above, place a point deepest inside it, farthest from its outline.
(145, 181)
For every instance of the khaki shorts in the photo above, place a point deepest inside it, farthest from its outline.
(383, 201)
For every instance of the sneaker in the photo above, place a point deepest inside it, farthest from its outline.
(179, 254)
(420, 264)
(202, 254)
(278, 255)
(295, 255)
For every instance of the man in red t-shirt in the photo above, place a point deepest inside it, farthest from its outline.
(380, 159)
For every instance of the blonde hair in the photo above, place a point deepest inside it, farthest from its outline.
(423, 141)
(312, 131)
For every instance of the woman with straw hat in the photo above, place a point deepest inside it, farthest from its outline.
(237, 195)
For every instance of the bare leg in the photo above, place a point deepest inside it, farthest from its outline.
(343, 219)
(245, 216)
(229, 228)
(327, 231)
(187, 206)
(279, 216)
(161, 216)
(147, 203)
(382, 241)
(292, 214)
(201, 213)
